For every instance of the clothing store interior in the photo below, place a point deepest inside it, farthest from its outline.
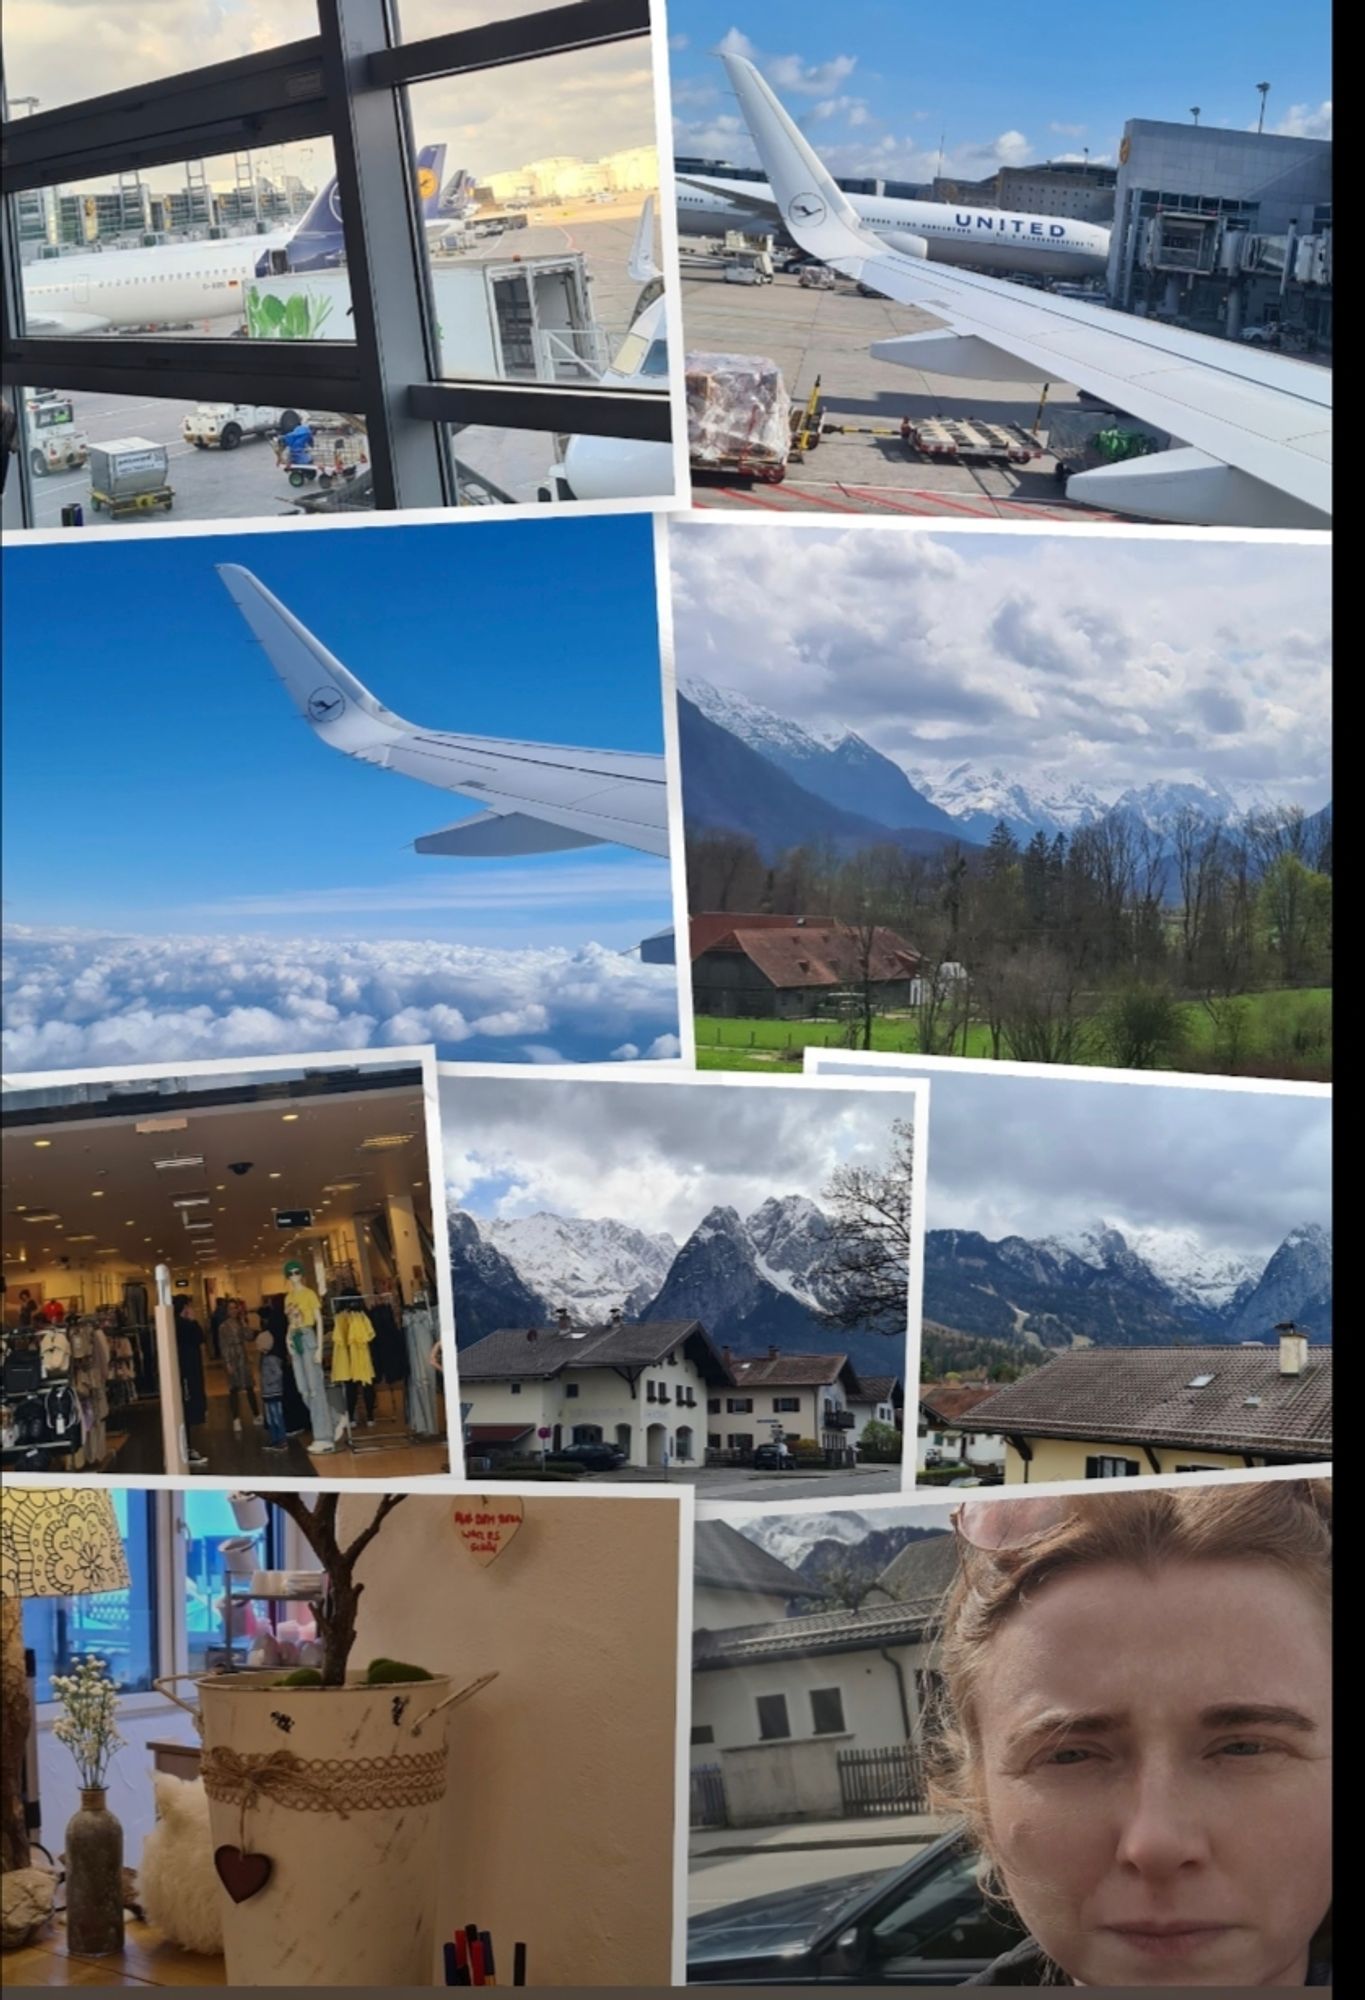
(224, 1274)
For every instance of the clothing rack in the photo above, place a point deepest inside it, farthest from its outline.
(361, 1302)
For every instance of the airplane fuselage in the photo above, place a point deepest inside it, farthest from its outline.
(603, 468)
(164, 286)
(990, 239)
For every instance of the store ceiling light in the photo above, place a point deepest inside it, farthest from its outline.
(198, 1225)
(289, 1117)
(97, 1194)
(43, 1215)
(42, 1142)
(177, 1161)
(382, 1141)
(339, 1187)
(191, 1200)
(82, 1239)
(161, 1125)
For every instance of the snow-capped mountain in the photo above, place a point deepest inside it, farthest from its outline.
(1114, 1288)
(790, 1537)
(1186, 1266)
(590, 1267)
(1296, 1284)
(979, 800)
(840, 768)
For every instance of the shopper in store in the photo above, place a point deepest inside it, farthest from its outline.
(189, 1343)
(1136, 1731)
(236, 1356)
(272, 1392)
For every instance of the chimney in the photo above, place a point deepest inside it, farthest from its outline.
(562, 1317)
(532, 1333)
(772, 1353)
(727, 1357)
(615, 1315)
(1293, 1348)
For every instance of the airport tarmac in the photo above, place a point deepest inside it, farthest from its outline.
(814, 334)
(247, 483)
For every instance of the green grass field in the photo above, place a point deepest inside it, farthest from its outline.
(1268, 1037)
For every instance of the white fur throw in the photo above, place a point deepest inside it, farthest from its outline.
(178, 1883)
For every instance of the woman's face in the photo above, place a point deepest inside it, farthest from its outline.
(1156, 1764)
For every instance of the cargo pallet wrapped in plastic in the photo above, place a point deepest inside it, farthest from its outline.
(738, 415)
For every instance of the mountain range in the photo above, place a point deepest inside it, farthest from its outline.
(1107, 1288)
(844, 772)
(815, 1544)
(759, 1280)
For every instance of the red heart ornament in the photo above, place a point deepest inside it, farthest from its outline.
(242, 1875)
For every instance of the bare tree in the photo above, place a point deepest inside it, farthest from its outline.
(866, 1269)
(1043, 1020)
(336, 1615)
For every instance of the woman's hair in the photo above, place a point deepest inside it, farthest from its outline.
(1279, 1521)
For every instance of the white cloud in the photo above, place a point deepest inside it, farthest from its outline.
(1066, 131)
(1189, 660)
(76, 998)
(656, 1155)
(1306, 121)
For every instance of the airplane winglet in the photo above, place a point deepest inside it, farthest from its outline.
(642, 267)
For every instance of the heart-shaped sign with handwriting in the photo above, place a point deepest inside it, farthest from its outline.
(486, 1524)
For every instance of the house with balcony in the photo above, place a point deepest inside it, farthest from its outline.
(818, 1714)
(645, 1387)
(1110, 1413)
(793, 1398)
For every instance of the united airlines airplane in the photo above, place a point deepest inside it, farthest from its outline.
(174, 283)
(991, 239)
(1255, 428)
(539, 798)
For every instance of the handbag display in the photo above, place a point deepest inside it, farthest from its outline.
(23, 1371)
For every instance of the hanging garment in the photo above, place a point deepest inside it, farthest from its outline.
(419, 1333)
(390, 1354)
(352, 1338)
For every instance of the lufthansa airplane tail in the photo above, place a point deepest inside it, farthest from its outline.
(335, 705)
(318, 243)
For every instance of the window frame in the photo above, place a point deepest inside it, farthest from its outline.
(347, 84)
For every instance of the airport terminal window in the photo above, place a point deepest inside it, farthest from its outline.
(196, 253)
(118, 1626)
(149, 459)
(56, 56)
(532, 233)
(221, 246)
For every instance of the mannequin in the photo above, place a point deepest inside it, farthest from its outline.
(303, 1310)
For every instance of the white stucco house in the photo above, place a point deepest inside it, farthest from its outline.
(792, 1715)
(799, 1396)
(948, 1434)
(880, 1400)
(644, 1387)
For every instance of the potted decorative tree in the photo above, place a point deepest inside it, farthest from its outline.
(325, 1787)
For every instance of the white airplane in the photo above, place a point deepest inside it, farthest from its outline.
(539, 798)
(171, 284)
(1256, 446)
(602, 468)
(991, 239)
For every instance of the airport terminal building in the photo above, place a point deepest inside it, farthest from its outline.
(1222, 229)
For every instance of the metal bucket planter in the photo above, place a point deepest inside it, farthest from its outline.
(324, 1806)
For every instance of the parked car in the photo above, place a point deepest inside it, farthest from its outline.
(772, 1458)
(926, 1923)
(596, 1457)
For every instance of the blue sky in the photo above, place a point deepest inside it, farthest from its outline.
(877, 82)
(190, 873)
(193, 799)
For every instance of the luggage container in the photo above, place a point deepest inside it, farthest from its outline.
(129, 476)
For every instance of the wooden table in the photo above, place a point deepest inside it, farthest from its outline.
(147, 1959)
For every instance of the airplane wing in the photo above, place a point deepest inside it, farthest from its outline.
(538, 798)
(745, 194)
(1255, 428)
(43, 322)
